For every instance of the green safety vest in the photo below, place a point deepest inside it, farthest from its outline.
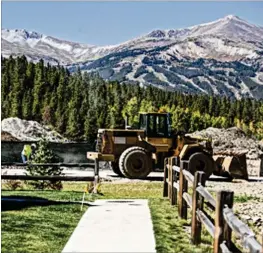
(27, 150)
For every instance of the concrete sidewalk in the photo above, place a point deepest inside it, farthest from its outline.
(114, 226)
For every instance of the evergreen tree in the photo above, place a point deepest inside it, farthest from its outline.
(38, 91)
(62, 101)
(18, 86)
(90, 126)
(5, 89)
(211, 106)
(74, 122)
(44, 154)
(78, 104)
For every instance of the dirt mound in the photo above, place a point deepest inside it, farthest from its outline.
(235, 140)
(24, 130)
(232, 139)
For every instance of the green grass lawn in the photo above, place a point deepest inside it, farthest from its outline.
(47, 228)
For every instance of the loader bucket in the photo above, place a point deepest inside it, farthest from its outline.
(234, 166)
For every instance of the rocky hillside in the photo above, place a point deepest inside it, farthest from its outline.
(38, 46)
(15, 129)
(224, 57)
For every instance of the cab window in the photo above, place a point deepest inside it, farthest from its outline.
(152, 124)
(143, 122)
(157, 126)
(160, 123)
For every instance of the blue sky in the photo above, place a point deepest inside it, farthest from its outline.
(105, 23)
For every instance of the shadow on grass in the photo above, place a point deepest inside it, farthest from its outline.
(149, 178)
(13, 203)
(39, 190)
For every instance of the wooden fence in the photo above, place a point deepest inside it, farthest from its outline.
(94, 178)
(203, 206)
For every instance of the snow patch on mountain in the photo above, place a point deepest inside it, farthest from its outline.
(161, 76)
(223, 57)
(258, 78)
(18, 42)
(245, 89)
(231, 27)
(20, 35)
(214, 36)
(234, 90)
(56, 44)
(191, 81)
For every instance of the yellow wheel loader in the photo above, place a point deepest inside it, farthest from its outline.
(134, 153)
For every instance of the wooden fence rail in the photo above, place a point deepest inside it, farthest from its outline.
(202, 204)
(49, 164)
(94, 178)
(50, 178)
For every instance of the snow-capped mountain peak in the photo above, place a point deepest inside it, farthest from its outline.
(20, 35)
(230, 26)
(36, 45)
(31, 35)
(223, 57)
(232, 17)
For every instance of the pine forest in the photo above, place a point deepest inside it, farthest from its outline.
(77, 104)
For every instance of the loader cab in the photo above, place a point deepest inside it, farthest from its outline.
(156, 124)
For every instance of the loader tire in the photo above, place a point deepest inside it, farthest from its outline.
(135, 162)
(115, 168)
(201, 162)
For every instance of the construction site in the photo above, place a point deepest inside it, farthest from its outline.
(230, 161)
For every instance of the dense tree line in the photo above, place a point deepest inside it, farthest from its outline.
(76, 105)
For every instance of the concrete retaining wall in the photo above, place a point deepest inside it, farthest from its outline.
(67, 152)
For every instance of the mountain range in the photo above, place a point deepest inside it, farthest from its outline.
(223, 57)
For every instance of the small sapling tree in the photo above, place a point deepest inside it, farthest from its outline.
(43, 154)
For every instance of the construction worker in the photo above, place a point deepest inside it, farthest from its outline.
(27, 152)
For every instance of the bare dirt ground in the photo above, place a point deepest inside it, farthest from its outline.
(248, 202)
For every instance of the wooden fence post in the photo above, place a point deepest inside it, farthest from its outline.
(165, 176)
(174, 179)
(182, 205)
(96, 175)
(169, 178)
(183, 188)
(180, 193)
(227, 231)
(185, 166)
(197, 204)
(222, 230)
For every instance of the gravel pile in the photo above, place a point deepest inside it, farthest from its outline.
(249, 202)
(235, 140)
(24, 130)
